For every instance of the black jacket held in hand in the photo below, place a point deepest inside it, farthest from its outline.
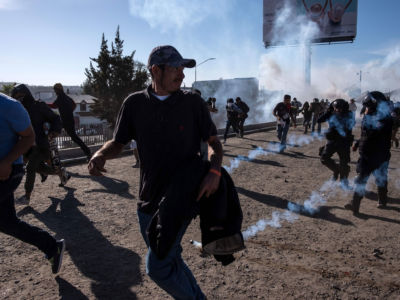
(221, 210)
(40, 113)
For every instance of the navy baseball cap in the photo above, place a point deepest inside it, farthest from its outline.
(168, 55)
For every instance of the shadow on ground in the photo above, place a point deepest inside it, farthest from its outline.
(257, 161)
(113, 270)
(323, 213)
(111, 185)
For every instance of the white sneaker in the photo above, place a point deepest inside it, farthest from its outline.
(64, 177)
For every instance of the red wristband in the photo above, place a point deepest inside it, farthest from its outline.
(215, 172)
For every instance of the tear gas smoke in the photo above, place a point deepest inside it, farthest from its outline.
(341, 123)
(310, 207)
(11, 4)
(174, 14)
(275, 222)
(272, 148)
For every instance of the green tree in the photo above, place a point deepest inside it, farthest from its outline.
(7, 88)
(113, 77)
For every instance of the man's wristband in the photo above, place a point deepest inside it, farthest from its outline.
(215, 172)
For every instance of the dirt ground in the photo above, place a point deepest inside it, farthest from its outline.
(328, 255)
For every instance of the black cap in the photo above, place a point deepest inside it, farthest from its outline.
(20, 89)
(168, 55)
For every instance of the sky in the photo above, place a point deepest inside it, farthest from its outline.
(48, 41)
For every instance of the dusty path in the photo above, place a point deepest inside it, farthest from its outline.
(327, 255)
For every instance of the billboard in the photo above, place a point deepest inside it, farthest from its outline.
(332, 20)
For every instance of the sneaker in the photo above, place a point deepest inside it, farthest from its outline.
(43, 177)
(64, 177)
(136, 165)
(348, 206)
(22, 200)
(381, 205)
(56, 260)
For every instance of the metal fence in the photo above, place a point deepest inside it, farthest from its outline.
(91, 134)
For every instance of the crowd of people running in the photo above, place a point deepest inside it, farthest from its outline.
(171, 127)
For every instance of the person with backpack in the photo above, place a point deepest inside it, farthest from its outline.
(38, 154)
(316, 109)
(66, 107)
(242, 117)
(232, 115)
(307, 114)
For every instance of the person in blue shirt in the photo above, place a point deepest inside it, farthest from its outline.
(16, 137)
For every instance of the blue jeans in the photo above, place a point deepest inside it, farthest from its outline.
(11, 225)
(282, 131)
(170, 273)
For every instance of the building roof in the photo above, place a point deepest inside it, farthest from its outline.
(84, 97)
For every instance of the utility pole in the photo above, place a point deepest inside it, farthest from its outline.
(307, 64)
(195, 67)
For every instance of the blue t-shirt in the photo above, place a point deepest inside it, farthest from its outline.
(13, 119)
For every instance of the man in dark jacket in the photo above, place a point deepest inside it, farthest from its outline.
(168, 125)
(66, 107)
(232, 116)
(374, 149)
(242, 116)
(307, 114)
(339, 139)
(37, 156)
(396, 123)
(316, 110)
(283, 113)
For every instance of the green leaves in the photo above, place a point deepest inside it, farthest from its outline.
(111, 77)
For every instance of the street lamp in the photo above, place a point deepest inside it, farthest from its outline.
(360, 74)
(195, 67)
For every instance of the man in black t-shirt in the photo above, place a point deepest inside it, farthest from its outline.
(242, 117)
(283, 113)
(168, 125)
(66, 107)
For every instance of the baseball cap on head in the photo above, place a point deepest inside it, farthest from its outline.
(58, 86)
(168, 55)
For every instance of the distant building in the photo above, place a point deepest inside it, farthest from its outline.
(82, 113)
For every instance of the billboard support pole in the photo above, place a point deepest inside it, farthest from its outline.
(307, 64)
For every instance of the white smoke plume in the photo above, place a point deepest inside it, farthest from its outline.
(282, 68)
(275, 222)
(11, 4)
(175, 14)
(310, 206)
(272, 148)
